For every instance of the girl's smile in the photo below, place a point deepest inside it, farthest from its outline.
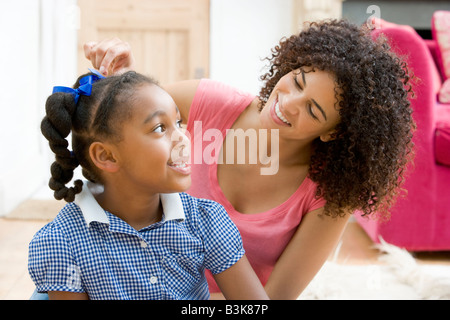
(180, 166)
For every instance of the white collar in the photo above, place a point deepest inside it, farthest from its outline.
(92, 211)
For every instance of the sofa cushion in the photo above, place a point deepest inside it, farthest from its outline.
(442, 134)
(440, 27)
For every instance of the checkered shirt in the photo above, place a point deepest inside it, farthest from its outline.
(88, 249)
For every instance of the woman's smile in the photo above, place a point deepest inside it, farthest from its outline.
(277, 115)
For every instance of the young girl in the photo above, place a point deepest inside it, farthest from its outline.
(339, 100)
(128, 233)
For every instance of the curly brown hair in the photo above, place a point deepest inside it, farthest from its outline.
(363, 168)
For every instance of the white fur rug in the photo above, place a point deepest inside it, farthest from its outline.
(397, 277)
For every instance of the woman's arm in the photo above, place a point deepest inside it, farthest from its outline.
(64, 295)
(305, 254)
(183, 93)
(239, 282)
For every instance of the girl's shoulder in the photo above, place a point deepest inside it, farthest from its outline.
(206, 216)
(69, 218)
(203, 213)
(209, 221)
(193, 205)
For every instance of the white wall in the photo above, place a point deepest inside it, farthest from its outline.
(242, 33)
(19, 57)
(38, 50)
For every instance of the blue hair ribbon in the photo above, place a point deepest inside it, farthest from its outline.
(85, 87)
(96, 72)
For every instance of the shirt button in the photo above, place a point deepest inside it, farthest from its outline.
(153, 280)
(144, 244)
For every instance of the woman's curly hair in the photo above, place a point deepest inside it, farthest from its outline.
(363, 167)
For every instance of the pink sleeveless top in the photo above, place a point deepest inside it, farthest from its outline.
(265, 235)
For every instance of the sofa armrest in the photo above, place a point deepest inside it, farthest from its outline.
(432, 46)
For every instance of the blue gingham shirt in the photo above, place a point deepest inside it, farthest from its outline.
(88, 249)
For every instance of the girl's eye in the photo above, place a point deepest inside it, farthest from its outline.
(159, 128)
(179, 123)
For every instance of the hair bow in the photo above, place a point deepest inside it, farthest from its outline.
(85, 87)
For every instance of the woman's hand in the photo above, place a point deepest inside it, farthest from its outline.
(110, 56)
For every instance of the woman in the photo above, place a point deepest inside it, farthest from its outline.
(338, 103)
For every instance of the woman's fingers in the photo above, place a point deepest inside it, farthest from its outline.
(110, 56)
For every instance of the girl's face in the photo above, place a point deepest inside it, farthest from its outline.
(302, 106)
(154, 152)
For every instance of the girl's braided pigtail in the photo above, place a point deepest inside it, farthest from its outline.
(56, 126)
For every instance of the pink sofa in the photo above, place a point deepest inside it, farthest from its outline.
(420, 221)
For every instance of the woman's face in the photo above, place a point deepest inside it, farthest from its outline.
(302, 106)
(154, 152)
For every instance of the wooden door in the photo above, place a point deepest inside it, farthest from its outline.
(169, 38)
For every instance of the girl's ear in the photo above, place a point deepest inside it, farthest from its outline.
(103, 157)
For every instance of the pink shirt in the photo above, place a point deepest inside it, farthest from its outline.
(265, 235)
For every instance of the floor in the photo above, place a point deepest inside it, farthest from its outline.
(17, 229)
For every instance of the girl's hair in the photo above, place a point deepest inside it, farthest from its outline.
(95, 117)
(364, 166)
